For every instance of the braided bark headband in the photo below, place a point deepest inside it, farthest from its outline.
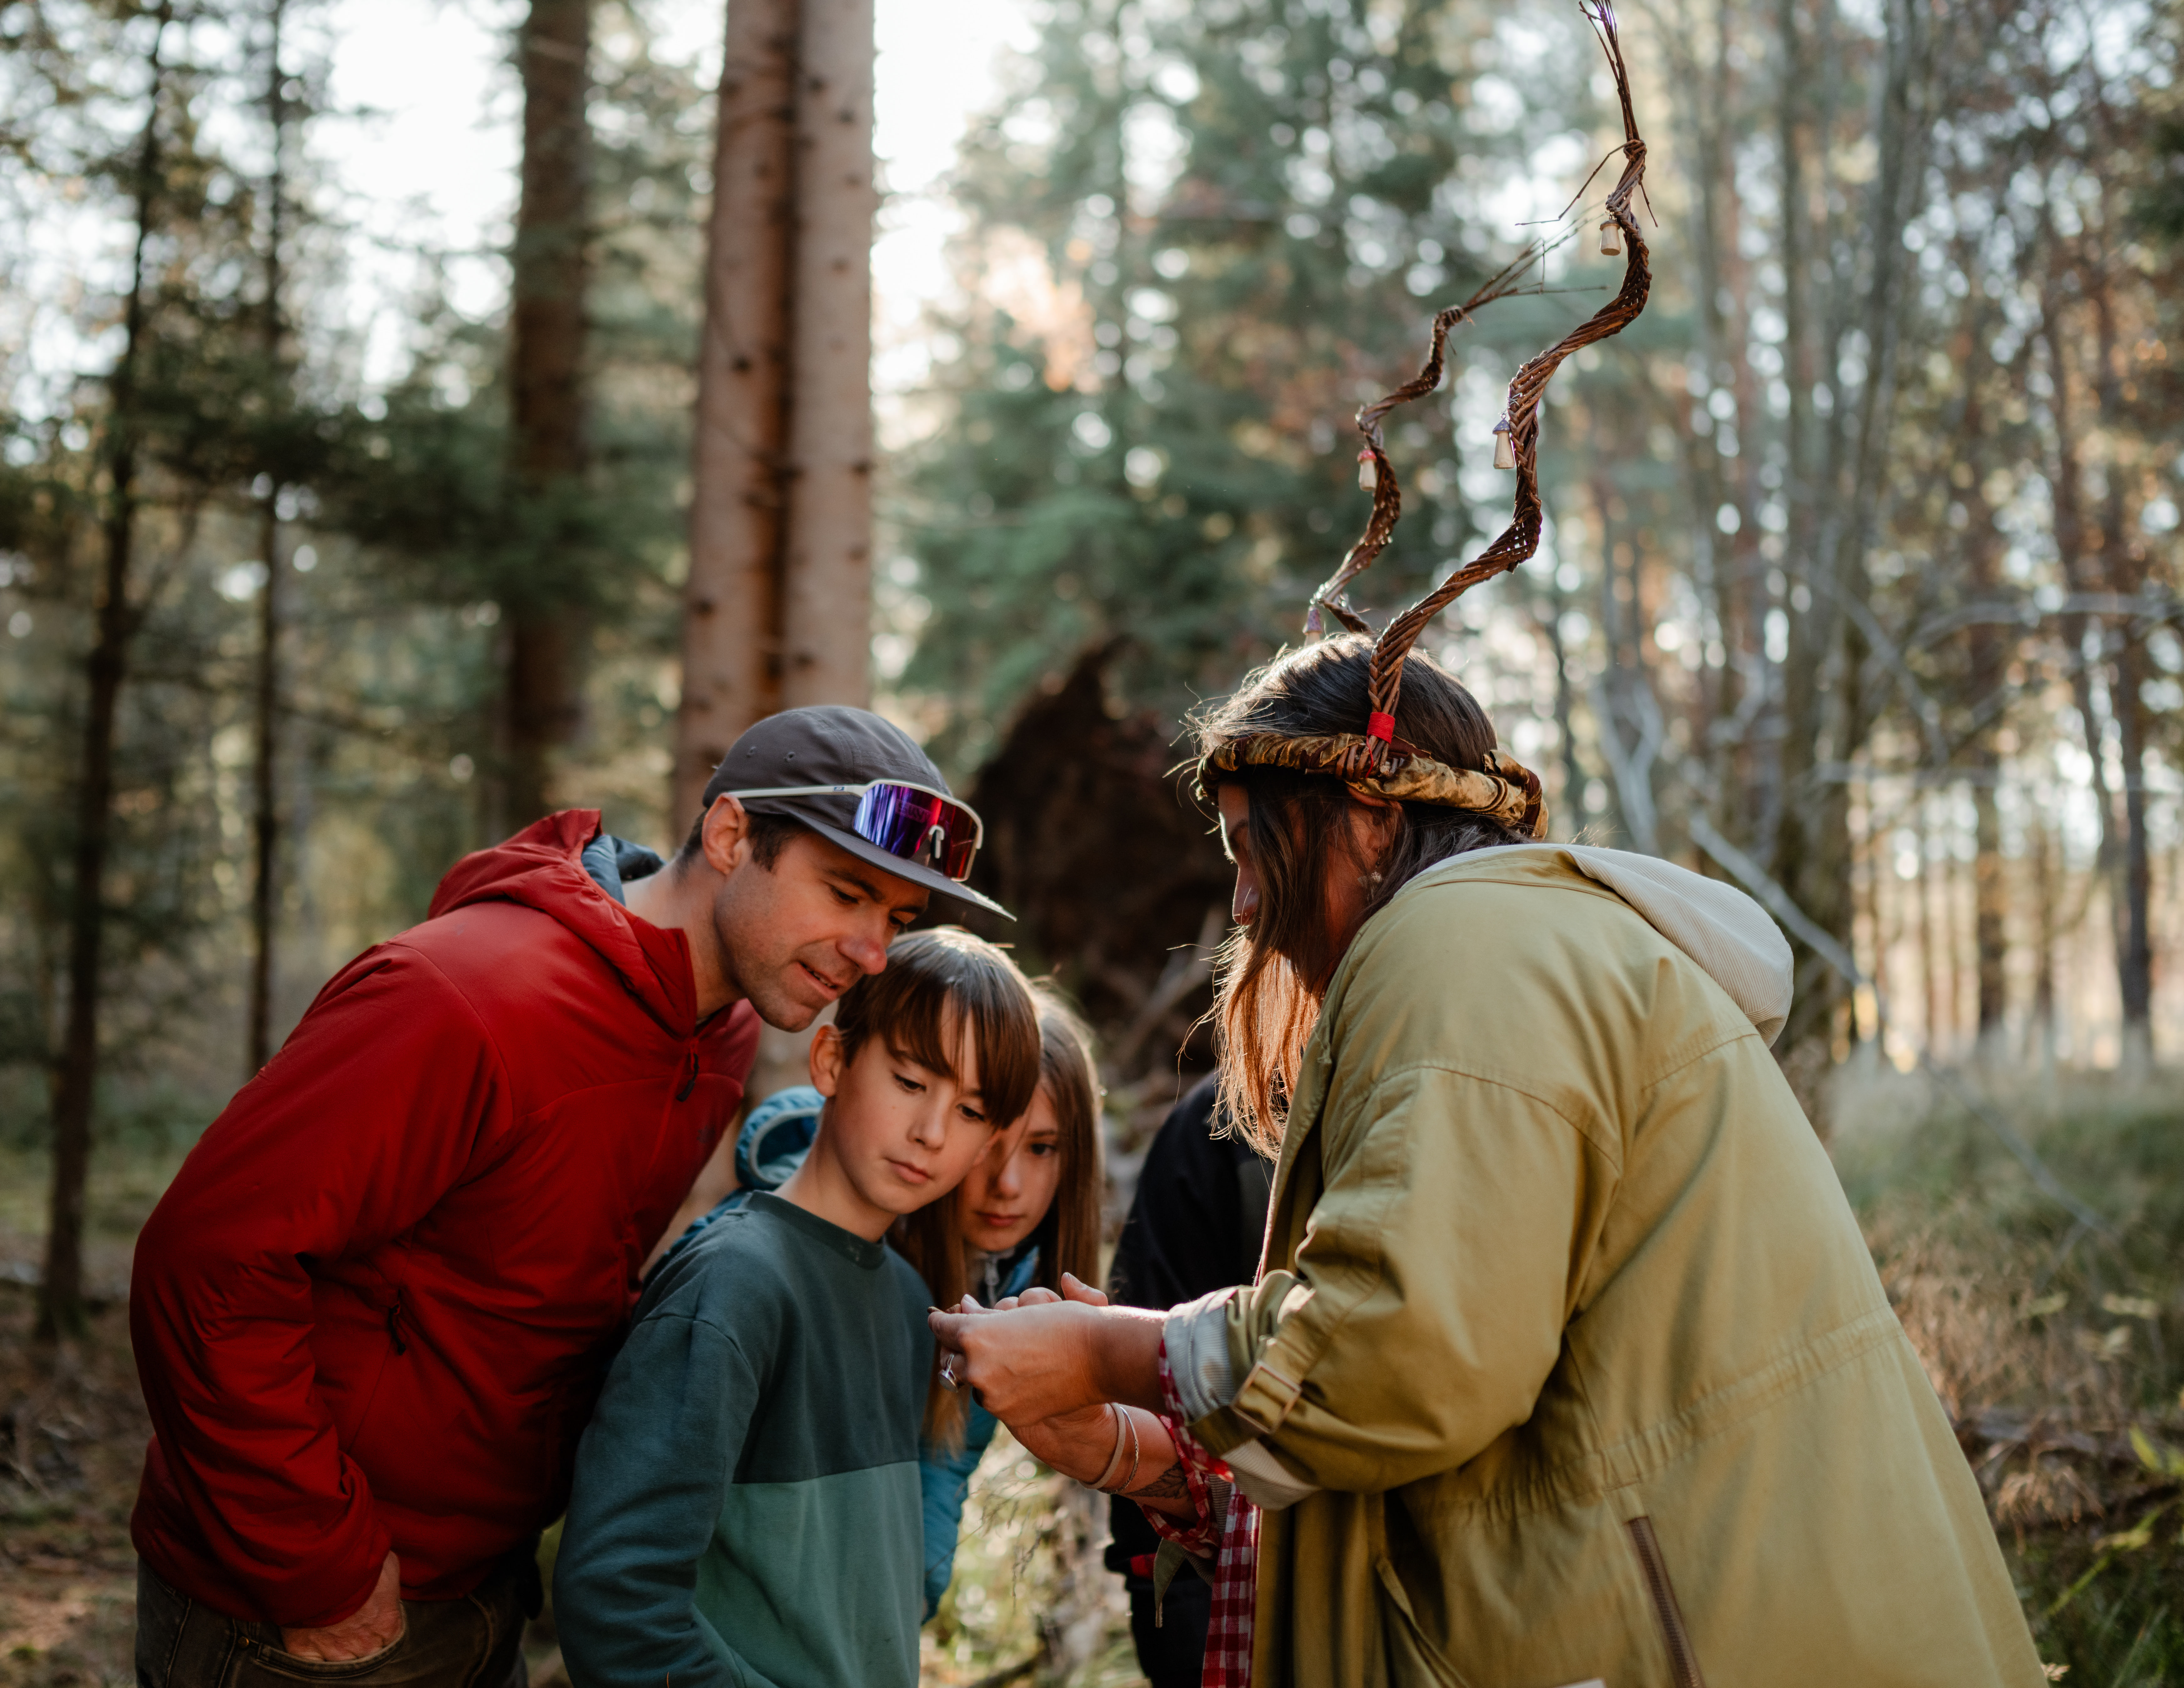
(1394, 770)
(1377, 762)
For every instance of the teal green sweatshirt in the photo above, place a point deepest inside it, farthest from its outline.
(746, 1506)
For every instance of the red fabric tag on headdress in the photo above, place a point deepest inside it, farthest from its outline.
(1381, 726)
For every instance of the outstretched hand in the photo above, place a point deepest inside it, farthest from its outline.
(1050, 1355)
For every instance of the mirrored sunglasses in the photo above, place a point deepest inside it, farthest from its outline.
(914, 822)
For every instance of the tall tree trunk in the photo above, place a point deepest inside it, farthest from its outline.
(60, 1302)
(2124, 567)
(1794, 118)
(1930, 969)
(731, 601)
(1953, 903)
(827, 603)
(2046, 872)
(777, 605)
(1824, 716)
(1990, 902)
(2079, 629)
(266, 821)
(547, 352)
(2135, 936)
(1573, 779)
(777, 609)
(1987, 665)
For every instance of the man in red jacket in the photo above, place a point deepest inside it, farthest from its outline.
(372, 1311)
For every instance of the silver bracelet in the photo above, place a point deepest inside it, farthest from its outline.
(1137, 1455)
(1114, 1459)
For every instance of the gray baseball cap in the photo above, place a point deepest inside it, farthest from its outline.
(831, 745)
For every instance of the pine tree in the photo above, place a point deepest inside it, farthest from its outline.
(1230, 226)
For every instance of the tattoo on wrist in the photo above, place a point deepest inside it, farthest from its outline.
(1167, 1486)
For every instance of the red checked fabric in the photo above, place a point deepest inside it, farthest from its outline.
(1235, 1570)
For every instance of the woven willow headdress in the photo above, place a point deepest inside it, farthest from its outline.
(1375, 762)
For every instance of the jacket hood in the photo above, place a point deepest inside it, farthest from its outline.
(542, 867)
(1732, 938)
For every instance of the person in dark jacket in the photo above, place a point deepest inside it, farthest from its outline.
(1195, 1226)
(371, 1313)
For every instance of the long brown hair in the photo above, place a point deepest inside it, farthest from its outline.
(1068, 1237)
(1272, 976)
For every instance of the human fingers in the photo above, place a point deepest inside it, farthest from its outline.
(371, 1628)
(1076, 1289)
(948, 1327)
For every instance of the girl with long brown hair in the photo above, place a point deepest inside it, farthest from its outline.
(1026, 1217)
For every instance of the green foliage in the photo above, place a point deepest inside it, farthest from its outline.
(404, 544)
(1202, 237)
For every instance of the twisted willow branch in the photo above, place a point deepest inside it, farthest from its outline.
(1387, 494)
(1521, 539)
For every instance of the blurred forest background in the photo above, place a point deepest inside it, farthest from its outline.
(1860, 589)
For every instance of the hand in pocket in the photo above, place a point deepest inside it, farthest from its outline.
(373, 1626)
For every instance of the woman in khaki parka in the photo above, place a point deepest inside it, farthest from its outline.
(1566, 1362)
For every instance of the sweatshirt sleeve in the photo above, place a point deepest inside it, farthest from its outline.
(369, 1114)
(652, 1474)
(1427, 1307)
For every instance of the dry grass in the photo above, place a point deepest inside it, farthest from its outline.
(2052, 1345)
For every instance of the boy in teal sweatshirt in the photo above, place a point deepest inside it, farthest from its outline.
(746, 1507)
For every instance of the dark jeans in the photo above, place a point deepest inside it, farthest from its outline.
(474, 1642)
(1172, 1653)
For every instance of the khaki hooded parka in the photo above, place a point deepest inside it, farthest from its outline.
(1571, 1329)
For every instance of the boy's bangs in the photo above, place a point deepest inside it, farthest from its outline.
(925, 1030)
(939, 987)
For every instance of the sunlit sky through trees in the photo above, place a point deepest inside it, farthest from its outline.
(443, 132)
(418, 146)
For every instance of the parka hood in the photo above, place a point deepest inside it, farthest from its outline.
(542, 867)
(1731, 937)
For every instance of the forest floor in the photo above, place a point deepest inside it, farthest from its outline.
(2058, 1349)
(2057, 1346)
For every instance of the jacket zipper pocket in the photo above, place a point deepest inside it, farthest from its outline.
(1683, 1662)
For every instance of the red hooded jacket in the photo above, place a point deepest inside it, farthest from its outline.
(375, 1306)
